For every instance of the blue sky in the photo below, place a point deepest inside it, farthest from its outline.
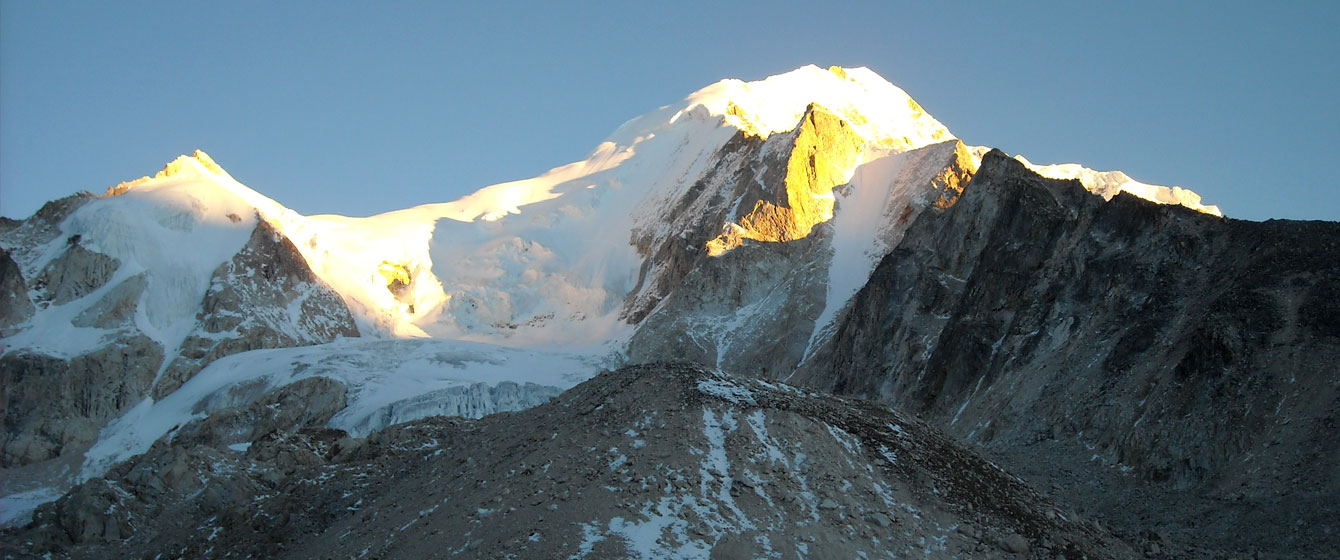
(361, 108)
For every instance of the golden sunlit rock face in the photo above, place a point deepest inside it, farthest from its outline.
(950, 181)
(824, 152)
(399, 282)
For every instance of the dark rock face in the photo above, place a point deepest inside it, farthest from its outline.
(305, 403)
(116, 309)
(651, 461)
(15, 307)
(250, 305)
(702, 321)
(165, 489)
(25, 238)
(694, 283)
(50, 404)
(1150, 347)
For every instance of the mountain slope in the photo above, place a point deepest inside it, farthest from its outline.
(648, 462)
(122, 298)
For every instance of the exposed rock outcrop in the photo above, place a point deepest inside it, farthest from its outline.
(15, 307)
(116, 308)
(26, 239)
(750, 310)
(772, 190)
(754, 308)
(265, 297)
(49, 404)
(793, 191)
(76, 273)
(307, 403)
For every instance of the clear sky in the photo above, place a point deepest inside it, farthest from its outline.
(358, 108)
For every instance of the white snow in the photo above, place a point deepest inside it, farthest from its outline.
(17, 509)
(174, 227)
(727, 390)
(377, 373)
(878, 111)
(1108, 183)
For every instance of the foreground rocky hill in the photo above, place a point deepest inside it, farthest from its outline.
(652, 461)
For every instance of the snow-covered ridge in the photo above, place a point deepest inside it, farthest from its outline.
(167, 231)
(1108, 183)
(547, 260)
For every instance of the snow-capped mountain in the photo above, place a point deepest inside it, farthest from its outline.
(759, 228)
(595, 259)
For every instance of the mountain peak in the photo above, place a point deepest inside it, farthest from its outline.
(880, 112)
(198, 164)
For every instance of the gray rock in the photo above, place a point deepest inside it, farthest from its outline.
(52, 403)
(247, 307)
(15, 307)
(117, 307)
(1014, 543)
(74, 274)
(448, 484)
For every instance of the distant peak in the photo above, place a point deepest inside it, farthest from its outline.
(194, 162)
(197, 164)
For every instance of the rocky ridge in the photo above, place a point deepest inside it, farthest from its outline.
(650, 461)
(1169, 354)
